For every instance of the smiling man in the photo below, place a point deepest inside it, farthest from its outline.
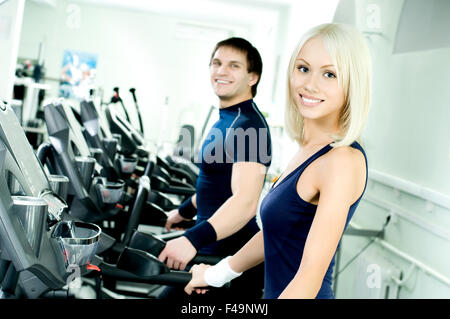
(234, 159)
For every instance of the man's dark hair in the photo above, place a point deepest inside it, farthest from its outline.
(254, 60)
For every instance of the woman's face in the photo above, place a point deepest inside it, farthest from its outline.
(314, 83)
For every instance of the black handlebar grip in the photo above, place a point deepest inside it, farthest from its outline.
(206, 259)
(179, 190)
(173, 277)
(133, 92)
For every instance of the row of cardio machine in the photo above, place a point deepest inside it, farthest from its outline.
(71, 210)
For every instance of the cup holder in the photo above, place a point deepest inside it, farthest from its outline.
(118, 137)
(96, 153)
(110, 145)
(78, 241)
(141, 152)
(86, 167)
(128, 164)
(59, 185)
(32, 213)
(110, 192)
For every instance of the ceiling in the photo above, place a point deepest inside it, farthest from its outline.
(236, 11)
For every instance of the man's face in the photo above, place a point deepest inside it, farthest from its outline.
(230, 79)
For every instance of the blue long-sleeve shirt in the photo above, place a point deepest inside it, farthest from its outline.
(240, 135)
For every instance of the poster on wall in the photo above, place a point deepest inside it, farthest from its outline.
(78, 74)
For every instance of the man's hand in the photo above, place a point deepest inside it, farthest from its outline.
(174, 217)
(178, 252)
(198, 279)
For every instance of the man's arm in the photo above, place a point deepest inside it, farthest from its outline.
(247, 180)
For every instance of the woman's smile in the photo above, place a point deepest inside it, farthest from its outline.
(307, 100)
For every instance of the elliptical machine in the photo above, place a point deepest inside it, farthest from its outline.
(133, 140)
(165, 179)
(163, 183)
(36, 246)
(40, 241)
(92, 199)
(98, 135)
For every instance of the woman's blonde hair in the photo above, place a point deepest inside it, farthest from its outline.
(351, 58)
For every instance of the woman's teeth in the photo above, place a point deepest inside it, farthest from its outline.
(310, 100)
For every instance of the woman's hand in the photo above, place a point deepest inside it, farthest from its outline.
(198, 279)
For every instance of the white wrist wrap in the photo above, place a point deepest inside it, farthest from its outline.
(221, 273)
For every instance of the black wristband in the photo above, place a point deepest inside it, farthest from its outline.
(201, 235)
(187, 209)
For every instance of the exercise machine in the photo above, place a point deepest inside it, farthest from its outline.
(40, 242)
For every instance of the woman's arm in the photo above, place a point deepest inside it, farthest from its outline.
(339, 183)
(250, 255)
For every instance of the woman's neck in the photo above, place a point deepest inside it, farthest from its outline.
(315, 133)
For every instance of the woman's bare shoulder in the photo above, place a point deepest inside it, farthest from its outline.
(343, 163)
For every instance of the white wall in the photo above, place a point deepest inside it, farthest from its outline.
(11, 13)
(294, 21)
(132, 52)
(408, 133)
(148, 51)
(407, 141)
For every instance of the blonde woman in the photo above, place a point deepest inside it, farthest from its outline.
(308, 208)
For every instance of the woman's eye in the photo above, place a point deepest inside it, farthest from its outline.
(329, 75)
(302, 68)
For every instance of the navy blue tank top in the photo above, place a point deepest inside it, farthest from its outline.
(286, 219)
(240, 135)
